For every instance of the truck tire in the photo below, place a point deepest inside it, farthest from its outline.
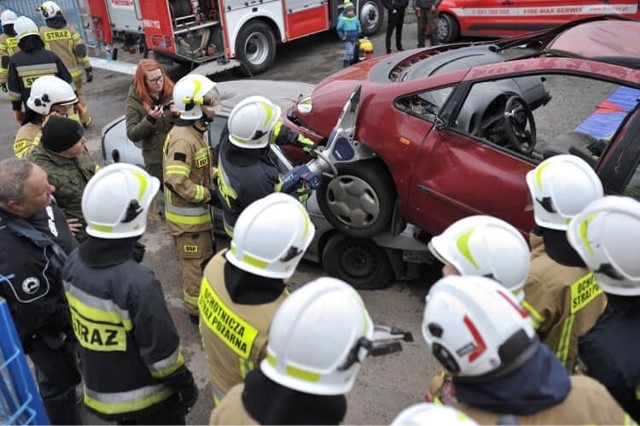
(359, 201)
(256, 47)
(358, 262)
(371, 16)
(449, 29)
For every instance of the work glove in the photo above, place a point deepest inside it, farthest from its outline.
(184, 386)
(303, 193)
(307, 144)
(89, 72)
(18, 115)
(3, 87)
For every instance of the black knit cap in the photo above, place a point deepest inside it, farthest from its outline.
(61, 133)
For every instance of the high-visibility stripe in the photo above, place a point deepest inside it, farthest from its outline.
(251, 260)
(228, 229)
(191, 300)
(187, 211)
(628, 420)
(167, 366)
(562, 351)
(246, 365)
(536, 318)
(298, 373)
(126, 402)
(596, 8)
(200, 194)
(188, 220)
(177, 169)
(34, 69)
(97, 309)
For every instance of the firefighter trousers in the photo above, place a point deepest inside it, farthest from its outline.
(194, 251)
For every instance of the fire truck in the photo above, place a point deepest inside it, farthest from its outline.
(214, 35)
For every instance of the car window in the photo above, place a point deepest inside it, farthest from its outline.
(426, 105)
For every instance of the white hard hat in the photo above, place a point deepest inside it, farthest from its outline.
(116, 200)
(271, 236)
(251, 122)
(607, 237)
(485, 246)
(50, 90)
(8, 17)
(49, 9)
(560, 187)
(189, 94)
(318, 338)
(427, 413)
(477, 328)
(24, 27)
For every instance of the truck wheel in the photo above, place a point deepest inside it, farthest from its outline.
(256, 47)
(358, 262)
(448, 28)
(371, 16)
(360, 200)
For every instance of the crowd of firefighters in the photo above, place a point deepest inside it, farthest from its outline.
(537, 333)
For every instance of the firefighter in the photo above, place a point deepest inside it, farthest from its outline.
(34, 243)
(479, 333)
(63, 154)
(187, 182)
(132, 366)
(244, 286)
(607, 237)
(245, 171)
(317, 341)
(8, 44)
(62, 39)
(49, 96)
(484, 246)
(561, 294)
(31, 62)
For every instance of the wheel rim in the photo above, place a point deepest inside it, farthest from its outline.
(358, 262)
(443, 28)
(353, 201)
(369, 16)
(256, 48)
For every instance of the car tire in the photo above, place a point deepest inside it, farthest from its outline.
(359, 201)
(359, 262)
(371, 16)
(255, 48)
(449, 29)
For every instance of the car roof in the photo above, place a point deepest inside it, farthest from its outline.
(282, 93)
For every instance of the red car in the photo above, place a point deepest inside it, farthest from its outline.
(504, 18)
(452, 131)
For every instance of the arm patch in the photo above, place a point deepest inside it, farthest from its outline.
(81, 50)
(179, 156)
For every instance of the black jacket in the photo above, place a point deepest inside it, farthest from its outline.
(30, 272)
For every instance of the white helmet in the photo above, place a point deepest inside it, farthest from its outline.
(607, 237)
(475, 327)
(318, 338)
(48, 91)
(485, 246)
(270, 236)
(116, 200)
(24, 27)
(560, 187)
(251, 122)
(49, 9)
(427, 413)
(8, 17)
(190, 92)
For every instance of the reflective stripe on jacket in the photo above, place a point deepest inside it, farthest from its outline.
(25, 68)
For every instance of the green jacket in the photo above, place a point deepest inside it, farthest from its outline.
(70, 176)
(149, 136)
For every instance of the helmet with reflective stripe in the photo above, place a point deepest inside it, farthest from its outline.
(251, 122)
(192, 91)
(606, 234)
(49, 9)
(50, 90)
(476, 328)
(116, 200)
(8, 17)
(270, 236)
(432, 414)
(25, 27)
(318, 338)
(485, 246)
(560, 187)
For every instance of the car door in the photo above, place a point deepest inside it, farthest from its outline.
(491, 18)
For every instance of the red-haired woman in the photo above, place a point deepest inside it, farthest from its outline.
(149, 114)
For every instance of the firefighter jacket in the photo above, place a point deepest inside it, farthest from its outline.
(564, 302)
(234, 334)
(27, 137)
(149, 134)
(231, 411)
(26, 66)
(32, 252)
(129, 345)
(70, 176)
(8, 46)
(187, 178)
(65, 43)
(610, 350)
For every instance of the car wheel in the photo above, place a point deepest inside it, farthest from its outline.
(359, 201)
(448, 28)
(256, 47)
(358, 262)
(371, 16)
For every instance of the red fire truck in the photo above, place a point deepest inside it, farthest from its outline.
(220, 34)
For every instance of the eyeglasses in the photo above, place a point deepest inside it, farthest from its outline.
(155, 80)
